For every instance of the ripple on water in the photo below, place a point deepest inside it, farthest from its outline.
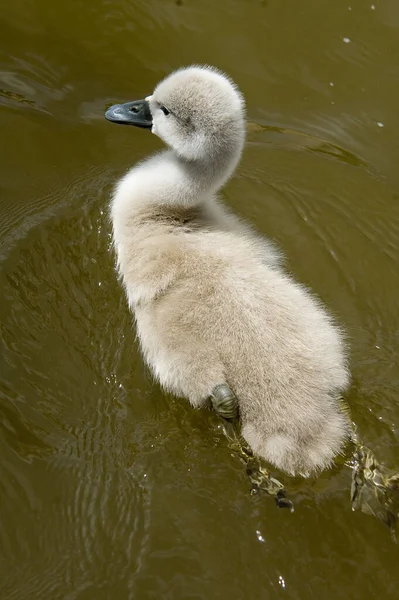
(71, 488)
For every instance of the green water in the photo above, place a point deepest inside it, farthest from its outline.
(110, 489)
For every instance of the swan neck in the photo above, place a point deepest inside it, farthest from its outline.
(207, 175)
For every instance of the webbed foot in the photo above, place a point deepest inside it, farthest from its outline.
(260, 478)
(374, 489)
(225, 404)
(262, 481)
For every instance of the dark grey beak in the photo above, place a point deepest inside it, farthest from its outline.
(132, 113)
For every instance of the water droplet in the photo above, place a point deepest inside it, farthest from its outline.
(332, 83)
(349, 8)
(346, 40)
(378, 347)
(281, 581)
(259, 536)
(372, 7)
(380, 124)
(99, 283)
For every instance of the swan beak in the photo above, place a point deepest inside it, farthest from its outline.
(136, 113)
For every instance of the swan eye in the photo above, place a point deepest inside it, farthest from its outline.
(164, 110)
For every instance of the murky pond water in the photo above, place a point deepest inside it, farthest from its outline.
(110, 489)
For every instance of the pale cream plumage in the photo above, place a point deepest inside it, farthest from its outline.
(211, 300)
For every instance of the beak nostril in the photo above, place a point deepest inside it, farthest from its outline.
(131, 113)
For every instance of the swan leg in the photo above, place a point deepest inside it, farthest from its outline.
(224, 402)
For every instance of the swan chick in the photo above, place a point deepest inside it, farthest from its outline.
(214, 308)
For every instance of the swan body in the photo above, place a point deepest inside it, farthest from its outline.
(211, 300)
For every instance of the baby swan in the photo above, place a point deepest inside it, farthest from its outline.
(214, 308)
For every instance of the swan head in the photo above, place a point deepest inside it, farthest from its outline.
(197, 111)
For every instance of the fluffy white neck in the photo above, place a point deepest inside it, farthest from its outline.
(164, 184)
(165, 179)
